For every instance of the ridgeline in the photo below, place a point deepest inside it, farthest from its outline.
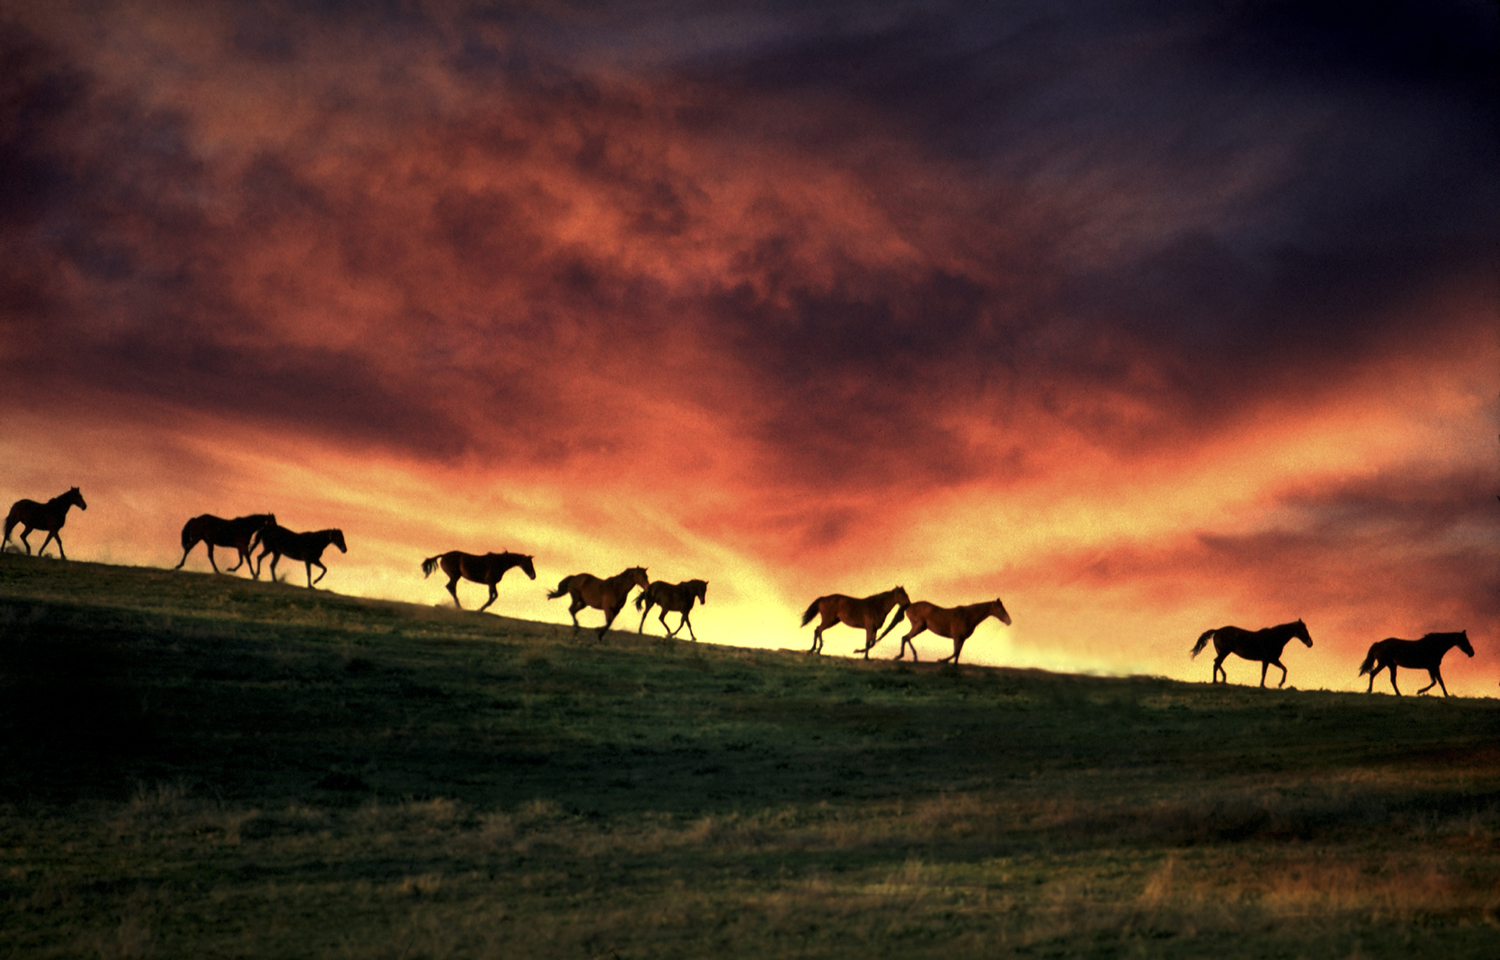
(200, 765)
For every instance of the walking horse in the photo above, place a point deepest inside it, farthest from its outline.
(674, 597)
(49, 516)
(1263, 645)
(1424, 654)
(867, 614)
(218, 532)
(486, 569)
(608, 595)
(308, 548)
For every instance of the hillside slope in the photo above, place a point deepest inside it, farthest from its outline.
(201, 765)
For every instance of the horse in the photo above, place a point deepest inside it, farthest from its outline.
(1263, 645)
(955, 623)
(609, 595)
(867, 614)
(676, 597)
(49, 516)
(218, 532)
(280, 542)
(1426, 654)
(487, 570)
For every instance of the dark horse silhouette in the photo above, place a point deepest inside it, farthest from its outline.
(1424, 654)
(609, 595)
(280, 542)
(676, 597)
(1263, 645)
(218, 532)
(866, 614)
(49, 516)
(487, 569)
(955, 623)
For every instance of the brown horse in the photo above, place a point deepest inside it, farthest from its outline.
(676, 597)
(1263, 645)
(1424, 654)
(487, 569)
(867, 614)
(609, 595)
(49, 516)
(218, 532)
(955, 623)
(280, 542)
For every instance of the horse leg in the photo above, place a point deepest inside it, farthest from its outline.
(1433, 674)
(915, 629)
(52, 535)
(662, 616)
(211, 557)
(1393, 680)
(689, 624)
(817, 646)
(453, 589)
(494, 593)
(1219, 667)
(185, 555)
(869, 640)
(1283, 673)
(573, 609)
(646, 612)
(611, 611)
(238, 565)
(1438, 674)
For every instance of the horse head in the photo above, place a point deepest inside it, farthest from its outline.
(998, 611)
(638, 577)
(1299, 630)
(525, 564)
(336, 537)
(1463, 642)
(899, 595)
(75, 498)
(699, 590)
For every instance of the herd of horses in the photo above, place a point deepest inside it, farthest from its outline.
(609, 595)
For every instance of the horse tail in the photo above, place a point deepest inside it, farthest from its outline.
(429, 565)
(811, 612)
(1369, 663)
(640, 599)
(187, 534)
(562, 588)
(1203, 641)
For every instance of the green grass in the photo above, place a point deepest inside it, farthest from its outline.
(204, 766)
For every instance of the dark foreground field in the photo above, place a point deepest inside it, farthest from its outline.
(201, 766)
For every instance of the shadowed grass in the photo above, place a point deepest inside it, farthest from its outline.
(205, 766)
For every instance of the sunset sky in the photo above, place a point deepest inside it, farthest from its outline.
(1145, 317)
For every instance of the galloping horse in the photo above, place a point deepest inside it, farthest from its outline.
(49, 516)
(1424, 654)
(867, 614)
(955, 623)
(218, 532)
(487, 569)
(676, 597)
(609, 595)
(280, 542)
(1263, 645)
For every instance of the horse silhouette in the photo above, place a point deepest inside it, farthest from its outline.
(1424, 654)
(674, 597)
(486, 569)
(49, 516)
(955, 623)
(307, 548)
(866, 614)
(608, 595)
(218, 532)
(1263, 645)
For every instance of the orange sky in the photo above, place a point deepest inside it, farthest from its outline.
(1147, 326)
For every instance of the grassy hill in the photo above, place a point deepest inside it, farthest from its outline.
(196, 765)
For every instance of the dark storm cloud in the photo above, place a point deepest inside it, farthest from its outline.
(1158, 208)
